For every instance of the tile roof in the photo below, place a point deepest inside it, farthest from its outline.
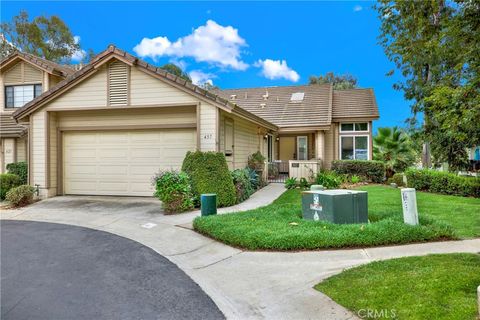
(50, 66)
(9, 128)
(274, 104)
(354, 103)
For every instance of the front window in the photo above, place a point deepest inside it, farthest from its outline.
(353, 127)
(354, 148)
(18, 96)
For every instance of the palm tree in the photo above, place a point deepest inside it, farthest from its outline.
(393, 147)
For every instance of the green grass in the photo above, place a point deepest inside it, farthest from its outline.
(462, 213)
(271, 228)
(439, 287)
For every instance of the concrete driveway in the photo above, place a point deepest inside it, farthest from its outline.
(243, 284)
(56, 271)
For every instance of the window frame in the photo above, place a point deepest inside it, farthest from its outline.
(354, 148)
(353, 123)
(6, 87)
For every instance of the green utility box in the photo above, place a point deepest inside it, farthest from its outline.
(337, 206)
(208, 204)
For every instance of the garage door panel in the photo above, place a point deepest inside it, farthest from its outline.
(121, 162)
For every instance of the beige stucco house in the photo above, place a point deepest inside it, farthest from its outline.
(108, 127)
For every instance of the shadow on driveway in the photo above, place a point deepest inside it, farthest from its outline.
(55, 271)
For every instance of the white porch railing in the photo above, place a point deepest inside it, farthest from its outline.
(304, 168)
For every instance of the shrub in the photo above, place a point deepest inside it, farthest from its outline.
(7, 182)
(20, 169)
(328, 179)
(209, 173)
(243, 186)
(20, 196)
(254, 178)
(256, 161)
(291, 183)
(397, 178)
(370, 170)
(443, 182)
(355, 179)
(304, 183)
(174, 190)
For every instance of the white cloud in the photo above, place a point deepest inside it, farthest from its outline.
(277, 69)
(78, 55)
(199, 77)
(357, 8)
(211, 43)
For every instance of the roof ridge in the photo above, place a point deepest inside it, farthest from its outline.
(269, 87)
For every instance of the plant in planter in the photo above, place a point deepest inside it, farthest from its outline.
(256, 161)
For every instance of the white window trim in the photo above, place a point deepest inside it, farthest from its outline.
(352, 131)
(353, 135)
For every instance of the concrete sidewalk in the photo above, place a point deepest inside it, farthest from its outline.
(244, 285)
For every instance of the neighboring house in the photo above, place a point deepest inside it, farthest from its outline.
(107, 128)
(23, 77)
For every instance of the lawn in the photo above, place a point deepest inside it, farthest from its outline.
(279, 226)
(439, 286)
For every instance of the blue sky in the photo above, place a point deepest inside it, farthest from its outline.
(240, 44)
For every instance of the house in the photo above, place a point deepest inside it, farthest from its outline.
(108, 127)
(23, 77)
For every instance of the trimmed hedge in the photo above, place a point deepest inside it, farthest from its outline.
(397, 178)
(7, 182)
(443, 182)
(370, 170)
(20, 169)
(209, 173)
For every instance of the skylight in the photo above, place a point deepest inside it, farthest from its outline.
(297, 96)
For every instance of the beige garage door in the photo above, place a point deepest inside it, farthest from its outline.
(121, 162)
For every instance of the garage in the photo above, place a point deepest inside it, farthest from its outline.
(121, 162)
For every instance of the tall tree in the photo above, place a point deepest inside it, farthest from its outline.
(434, 45)
(46, 37)
(176, 70)
(341, 81)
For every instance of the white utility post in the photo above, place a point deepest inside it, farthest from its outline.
(409, 203)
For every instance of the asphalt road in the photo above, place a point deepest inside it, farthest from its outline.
(55, 271)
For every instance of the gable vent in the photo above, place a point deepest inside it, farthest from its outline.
(117, 84)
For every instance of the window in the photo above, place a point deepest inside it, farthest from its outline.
(354, 147)
(360, 126)
(18, 96)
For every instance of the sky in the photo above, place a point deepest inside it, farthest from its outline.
(240, 44)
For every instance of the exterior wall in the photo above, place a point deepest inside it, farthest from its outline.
(246, 140)
(148, 90)
(8, 152)
(38, 148)
(208, 118)
(331, 148)
(52, 156)
(21, 146)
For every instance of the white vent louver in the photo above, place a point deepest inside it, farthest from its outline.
(117, 84)
(297, 97)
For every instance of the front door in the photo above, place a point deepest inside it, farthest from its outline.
(302, 148)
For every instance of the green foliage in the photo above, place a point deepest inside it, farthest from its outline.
(397, 178)
(328, 179)
(174, 190)
(20, 169)
(280, 226)
(431, 287)
(339, 82)
(392, 146)
(46, 37)
(291, 183)
(20, 196)
(254, 178)
(209, 174)
(443, 182)
(176, 70)
(7, 182)
(304, 184)
(243, 186)
(435, 46)
(256, 161)
(373, 171)
(355, 179)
